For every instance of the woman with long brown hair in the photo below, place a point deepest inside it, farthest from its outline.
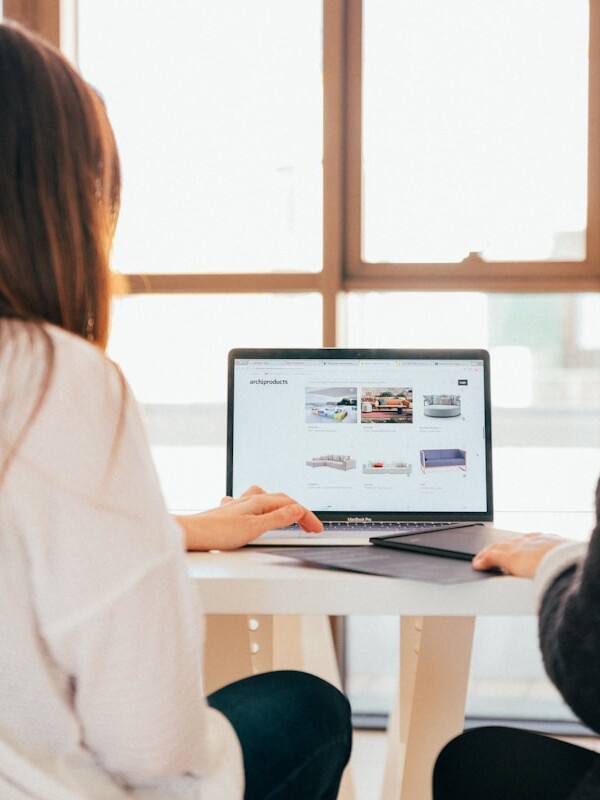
(100, 686)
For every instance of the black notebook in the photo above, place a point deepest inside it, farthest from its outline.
(461, 542)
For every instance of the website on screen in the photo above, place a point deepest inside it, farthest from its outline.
(373, 435)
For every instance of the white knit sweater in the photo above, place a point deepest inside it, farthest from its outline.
(100, 664)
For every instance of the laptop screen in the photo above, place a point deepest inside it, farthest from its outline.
(376, 434)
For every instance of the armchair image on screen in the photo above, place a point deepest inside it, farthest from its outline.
(441, 405)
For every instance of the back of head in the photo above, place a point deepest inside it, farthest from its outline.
(59, 190)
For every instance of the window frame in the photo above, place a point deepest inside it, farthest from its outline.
(473, 273)
(343, 269)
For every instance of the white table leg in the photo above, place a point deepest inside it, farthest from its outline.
(435, 655)
(227, 655)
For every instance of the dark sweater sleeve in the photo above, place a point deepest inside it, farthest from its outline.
(569, 629)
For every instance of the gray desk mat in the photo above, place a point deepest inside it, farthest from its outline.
(386, 562)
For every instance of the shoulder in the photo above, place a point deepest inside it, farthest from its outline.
(86, 394)
(43, 366)
(69, 400)
(80, 365)
(37, 360)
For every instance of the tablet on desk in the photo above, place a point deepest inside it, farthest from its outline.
(461, 543)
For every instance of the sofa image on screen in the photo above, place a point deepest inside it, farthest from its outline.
(432, 459)
(441, 405)
(396, 404)
(387, 468)
(332, 413)
(333, 461)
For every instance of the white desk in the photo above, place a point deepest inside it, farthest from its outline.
(290, 602)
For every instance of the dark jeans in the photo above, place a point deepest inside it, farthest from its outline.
(494, 763)
(295, 731)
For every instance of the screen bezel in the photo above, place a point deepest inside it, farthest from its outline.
(365, 354)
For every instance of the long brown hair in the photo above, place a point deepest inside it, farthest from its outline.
(59, 190)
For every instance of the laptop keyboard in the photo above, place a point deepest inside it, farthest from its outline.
(387, 527)
(361, 530)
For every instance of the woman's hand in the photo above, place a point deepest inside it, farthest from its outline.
(237, 522)
(519, 556)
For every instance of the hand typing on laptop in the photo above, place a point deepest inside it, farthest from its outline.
(238, 521)
(519, 556)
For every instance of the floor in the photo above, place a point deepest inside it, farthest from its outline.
(368, 755)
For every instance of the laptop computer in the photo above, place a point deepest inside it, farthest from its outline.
(377, 442)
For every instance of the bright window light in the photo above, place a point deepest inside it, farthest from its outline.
(475, 129)
(512, 376)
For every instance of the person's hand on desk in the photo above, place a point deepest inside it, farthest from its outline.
(520, 556)
(238, 521)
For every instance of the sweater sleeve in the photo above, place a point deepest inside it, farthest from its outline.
(569, 626)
